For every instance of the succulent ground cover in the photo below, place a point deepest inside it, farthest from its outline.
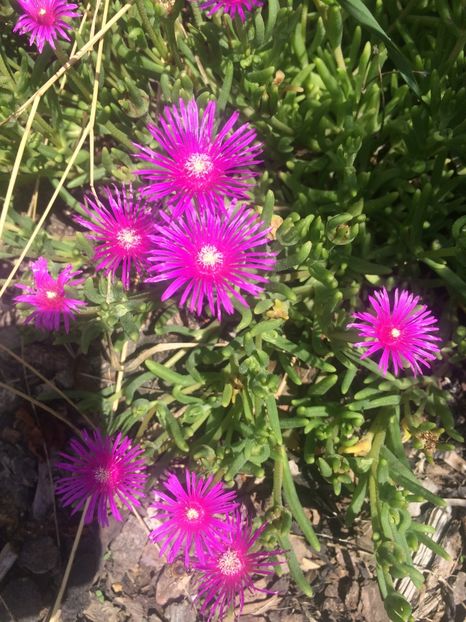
(253, 213)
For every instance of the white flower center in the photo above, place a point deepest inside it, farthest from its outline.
(209, 256)
(102, 475)
(192, 514)
(229, 563)
(198, 165)
(51, 295)
(395, 333)
(42, 11)
(128, 238)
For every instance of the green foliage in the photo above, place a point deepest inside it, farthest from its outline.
(363, 184)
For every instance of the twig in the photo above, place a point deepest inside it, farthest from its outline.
(44, 447)
(47, 382)
(162, 347)
(95, 92)
(46, 211)
(140, 520)
(73, 59)
(120, 374)
(19, 157)
(30, 399)
(69, 565)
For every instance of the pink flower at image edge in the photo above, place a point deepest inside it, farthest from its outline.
(49, 297)
(403, 332)
(104, 469)
(230, 568)
(44, 21)
(232, 7)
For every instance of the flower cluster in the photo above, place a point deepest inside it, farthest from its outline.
(44, 20)
(189, 225)
(202, 521)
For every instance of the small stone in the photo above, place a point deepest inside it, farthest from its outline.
(23, 599)
(181, 612)
(127, 546)
(39, 555)
(96, 612)
(8, 556)
(170, 586)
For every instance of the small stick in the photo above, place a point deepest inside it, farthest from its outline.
(120, 374)
(140, 520)
(53, 615)
(46, 211)
(19, 156)
(47, 382)
(28, 398)
(74, 59)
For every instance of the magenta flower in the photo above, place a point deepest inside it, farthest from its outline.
(105, 469)
(191, 516)
(211, 256)
(43, 20)
(121, 229)
(233, 7)
(199, 162)
(49, 296)
(402, 333)
(230, 567)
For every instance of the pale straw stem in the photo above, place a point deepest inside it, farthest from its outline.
(19, 156)
(53, 617)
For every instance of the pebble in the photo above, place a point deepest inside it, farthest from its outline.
(39, 555)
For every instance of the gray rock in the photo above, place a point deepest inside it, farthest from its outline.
(39, 555)
(181, 612)
(98, 612)
(127, 547)
(23, 599)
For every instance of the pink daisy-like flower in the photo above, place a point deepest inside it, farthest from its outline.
(43, 20)
(211, 257)
(233, 7)
(402, 333)
(49, 296)
(200, 163)
(121, 229)
(104, 469)
(191, 516)
(231, 566)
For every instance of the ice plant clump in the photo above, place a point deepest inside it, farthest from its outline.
(199, 162)
(191, 516)
(121, 230)
(43, 20)
(230, 567)
(402, 333)
(49, 297)
(233, 7)
(105, 469)
(211, 257)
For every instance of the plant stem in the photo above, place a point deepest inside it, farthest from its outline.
(30, 399)
(69, 565)
(19, 157)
